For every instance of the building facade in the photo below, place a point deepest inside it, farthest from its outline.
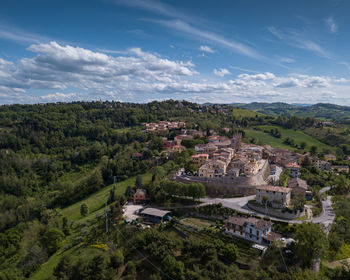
(277, 197)
(252, 229)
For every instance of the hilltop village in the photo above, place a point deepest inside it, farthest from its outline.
(264, 181)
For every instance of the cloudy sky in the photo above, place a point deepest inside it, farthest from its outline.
(293, 51)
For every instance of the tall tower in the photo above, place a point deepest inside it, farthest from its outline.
(236, 141)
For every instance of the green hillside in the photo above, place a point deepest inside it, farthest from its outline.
(95, 203)
(264, 138)
(336, 113)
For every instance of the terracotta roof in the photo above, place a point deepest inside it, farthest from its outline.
(271, 236)
(236, 220)
(292, 165)
(274, 189)
(258, 223)
(297, 183)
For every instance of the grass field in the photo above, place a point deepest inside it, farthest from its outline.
(243, 113)
(96, 201)
(298, 137)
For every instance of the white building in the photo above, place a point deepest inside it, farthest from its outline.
(277, 197)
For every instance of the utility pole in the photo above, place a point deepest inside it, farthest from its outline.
(106, 216)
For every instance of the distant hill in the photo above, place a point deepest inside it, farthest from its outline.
(336, 113)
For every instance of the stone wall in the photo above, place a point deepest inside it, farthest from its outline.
(228, 186)
(275, 213)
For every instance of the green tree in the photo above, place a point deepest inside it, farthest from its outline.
(175, 269)
(129, 192)
(158, 174)
(230, 252)
(310, 244)
(97, 267)
(138, 181)
(130, 270)
(306, 163)
(84, 210)
(313, 150)
(63, 270)
(298, 201)
(65, 227)
(51, 240)
(302, 145)
(117, 259)
(196, 190)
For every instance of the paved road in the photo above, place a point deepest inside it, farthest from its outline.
(240, 204)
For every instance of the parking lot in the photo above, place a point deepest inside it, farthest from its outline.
(129, 212)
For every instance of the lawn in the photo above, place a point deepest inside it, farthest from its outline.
(197, 223)
(298, 137)
(96, 201)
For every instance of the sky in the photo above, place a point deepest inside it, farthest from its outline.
(292, 51)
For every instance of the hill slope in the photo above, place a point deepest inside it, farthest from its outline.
(325, 111)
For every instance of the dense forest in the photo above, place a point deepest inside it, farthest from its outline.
(54, 156)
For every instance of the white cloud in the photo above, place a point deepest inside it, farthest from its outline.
(58, 67)
(298, 39)
(206, 49)
(214, 38)
(331, 24)
(258, 77)
(221, 72)
(188, 25)
(66, 73)
(20, 36)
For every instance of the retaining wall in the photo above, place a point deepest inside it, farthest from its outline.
(275, 213)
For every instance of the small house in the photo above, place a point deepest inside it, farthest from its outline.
(252, 229)
(140, 196)
(298, 185)
(155, 216)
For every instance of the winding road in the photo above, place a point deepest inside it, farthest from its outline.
(240, 205)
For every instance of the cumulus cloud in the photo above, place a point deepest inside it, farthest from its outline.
(66, 73)
(221, 72)
(258, 77)
(206, 49)
(58, 67)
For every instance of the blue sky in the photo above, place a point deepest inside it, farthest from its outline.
(201, 51)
